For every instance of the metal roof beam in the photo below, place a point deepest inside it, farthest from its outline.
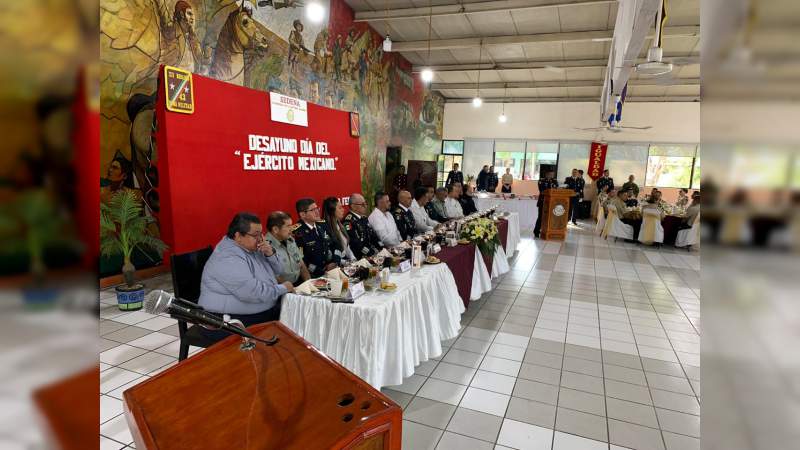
(468, 8)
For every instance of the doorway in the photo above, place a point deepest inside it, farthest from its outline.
(394, 158)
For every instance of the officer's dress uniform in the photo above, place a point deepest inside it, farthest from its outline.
(544, 185)
(317, 246)
(363, 240)
(576, 184)
(404, 219)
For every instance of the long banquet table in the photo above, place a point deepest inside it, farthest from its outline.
(382, 336)
(525, 207)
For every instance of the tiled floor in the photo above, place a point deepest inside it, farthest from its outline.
(584, 345)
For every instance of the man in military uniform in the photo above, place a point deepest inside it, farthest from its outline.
(363, 240)
(309, 234)
(454, 176)
(403, 217)
(435, 207)
(548, 182)
(576, 183)
(605, 180)
(279, 225)
(491, 180)
(631, 185)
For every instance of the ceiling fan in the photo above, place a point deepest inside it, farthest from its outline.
(613, 129)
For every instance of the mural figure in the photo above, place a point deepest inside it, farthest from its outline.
(238, 34)
(323, 58)
(296, 44)
(119, 177)
(180, 46)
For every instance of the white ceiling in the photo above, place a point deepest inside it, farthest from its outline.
(519, 21)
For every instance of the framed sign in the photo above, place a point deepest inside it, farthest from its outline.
(180, 93)
(288, 109)
(355, 125)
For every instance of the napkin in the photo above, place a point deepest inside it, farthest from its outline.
(363, 263)
(335, 274)
(384, 254)
(307, 288)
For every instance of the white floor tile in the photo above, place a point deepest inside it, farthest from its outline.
(525, 436)
(495, 382)
(485, 401)
(565, 441)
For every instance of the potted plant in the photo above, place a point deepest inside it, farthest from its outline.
(123, 228)
(31, 226)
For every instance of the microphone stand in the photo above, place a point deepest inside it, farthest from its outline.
(231, 326)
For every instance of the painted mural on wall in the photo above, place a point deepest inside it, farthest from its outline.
(273, 47)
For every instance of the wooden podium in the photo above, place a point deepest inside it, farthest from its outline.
(286, 396)
(555, 211)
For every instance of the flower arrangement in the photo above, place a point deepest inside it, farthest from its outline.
(483, 233)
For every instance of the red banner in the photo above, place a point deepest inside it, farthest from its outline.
(597, 160)
(228, 156)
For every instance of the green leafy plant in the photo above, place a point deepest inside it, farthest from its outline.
(123, 227)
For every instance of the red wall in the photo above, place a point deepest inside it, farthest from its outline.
(203, 183)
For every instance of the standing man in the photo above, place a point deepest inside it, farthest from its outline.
(576, 183)
(279, 225)
(363, 240)
(466, 200)
(400, 180)
(508, 180)
(403, 217)
(605, 180)
(452, 206)
(454, 176)
(422, 220)
(631, 186)
(240, 277)
(483, 178)
(436, 209)
(383, 223)
(548, 182)
(491, 181)
(317, 245)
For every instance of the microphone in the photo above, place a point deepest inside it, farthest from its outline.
(159, 301)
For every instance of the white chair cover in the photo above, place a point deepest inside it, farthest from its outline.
(735, 228)
(689, 237)
(614, 227)
(601, 222)
(652, 231)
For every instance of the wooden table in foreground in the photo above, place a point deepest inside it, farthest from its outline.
(286, 396)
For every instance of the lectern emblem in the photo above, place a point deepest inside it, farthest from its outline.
(558, 211)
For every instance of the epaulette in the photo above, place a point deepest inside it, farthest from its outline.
(295, 227)
(320, 221)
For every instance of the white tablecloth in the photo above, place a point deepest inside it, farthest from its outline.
(481, 279)
(499, 262)
(513, 238)
(382, 337)
(526, 208)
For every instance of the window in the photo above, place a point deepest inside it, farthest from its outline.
(539, 153)
(670, 166)
(759, 167)
(572, 156)
(509, 154)
(477, 153)
(452, 147)
(444, 165)
(624, 160)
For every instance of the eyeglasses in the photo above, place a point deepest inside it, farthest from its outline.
(316, 208)
(257, 235)
(358, 204)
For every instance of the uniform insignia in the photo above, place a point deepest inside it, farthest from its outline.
(295, 227)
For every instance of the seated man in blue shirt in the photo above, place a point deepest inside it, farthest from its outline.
(240, 277)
